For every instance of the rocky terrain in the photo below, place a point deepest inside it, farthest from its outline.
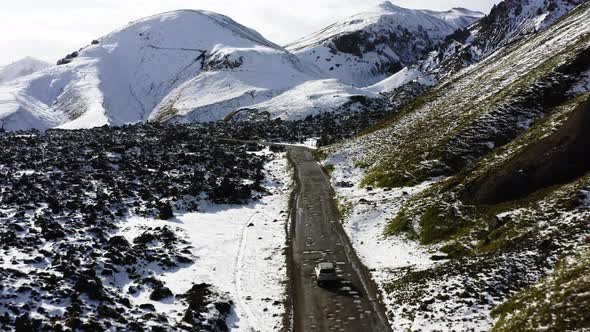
(66, 197)
(507, 23)
(326, 128)
(63, 197)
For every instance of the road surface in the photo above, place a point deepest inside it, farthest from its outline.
(316, 236)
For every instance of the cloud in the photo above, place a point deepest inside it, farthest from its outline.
(50, 29)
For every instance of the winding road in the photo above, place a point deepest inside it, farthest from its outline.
(316, 235)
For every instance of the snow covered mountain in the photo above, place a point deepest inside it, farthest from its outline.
(367, 48)
(176, 66)
(182, 66)
(23, 67)
(153, 70)
(508, 22)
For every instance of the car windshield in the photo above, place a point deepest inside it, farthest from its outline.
(327, 271)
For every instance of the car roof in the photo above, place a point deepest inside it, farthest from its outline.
(325, 266)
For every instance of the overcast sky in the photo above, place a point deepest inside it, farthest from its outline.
(50, 29)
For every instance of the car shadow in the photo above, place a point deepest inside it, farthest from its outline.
(342, 287)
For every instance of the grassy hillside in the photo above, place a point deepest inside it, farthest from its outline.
(481, 108)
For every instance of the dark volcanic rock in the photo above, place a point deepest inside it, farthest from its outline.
(69, 191)
(199, 297)
(161, 293)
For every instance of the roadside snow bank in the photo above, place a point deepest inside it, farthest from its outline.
(239, 249)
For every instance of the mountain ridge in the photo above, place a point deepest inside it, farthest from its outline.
(153, 70)
(506, 23)
(368, 47)
(483, 173)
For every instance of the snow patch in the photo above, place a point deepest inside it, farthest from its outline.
(366, 221)
(238, 248)
(400, 79)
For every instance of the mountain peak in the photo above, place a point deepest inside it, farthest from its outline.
(390, 7)
(170, 65)
(355, 51)
(29, 59)
(179, 22)
(23, 67)
(466, 11)
(507, 22)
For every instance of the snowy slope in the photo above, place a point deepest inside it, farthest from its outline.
(233, 78)
(160, 67)
(311, 98)
(188, 66)
(20, 68)
(508, 22)
(399, 79)
(368, 47)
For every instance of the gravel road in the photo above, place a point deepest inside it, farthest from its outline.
(316, 236)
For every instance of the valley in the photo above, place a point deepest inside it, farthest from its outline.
(398, 170)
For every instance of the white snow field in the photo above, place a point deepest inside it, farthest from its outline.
(310, 98)
(401, 78)
(239, 249)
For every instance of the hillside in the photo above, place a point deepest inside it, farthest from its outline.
(474, 192)
(368, 47)
(23, 67)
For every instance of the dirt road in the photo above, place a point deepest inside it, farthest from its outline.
(316, 235)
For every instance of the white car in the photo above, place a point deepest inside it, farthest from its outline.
(325, 272)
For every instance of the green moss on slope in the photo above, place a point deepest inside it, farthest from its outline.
(401, 224)
(438, 215)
